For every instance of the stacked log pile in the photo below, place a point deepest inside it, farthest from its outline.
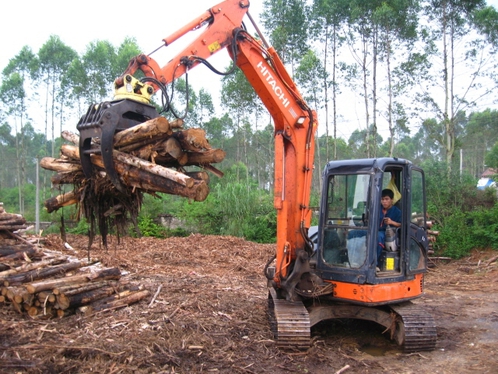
(45, 283)
(11, 222)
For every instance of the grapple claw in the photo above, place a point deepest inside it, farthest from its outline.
(103, 121)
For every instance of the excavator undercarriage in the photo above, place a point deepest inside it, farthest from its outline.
(408, 324)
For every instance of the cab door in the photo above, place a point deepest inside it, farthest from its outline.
(418, 243)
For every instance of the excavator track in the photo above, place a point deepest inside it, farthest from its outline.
(415, 328)
(290, 324)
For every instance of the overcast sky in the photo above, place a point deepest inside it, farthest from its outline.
(77, 23)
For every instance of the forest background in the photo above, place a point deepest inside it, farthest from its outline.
(425, 73)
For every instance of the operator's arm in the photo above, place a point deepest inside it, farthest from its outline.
(393, 217)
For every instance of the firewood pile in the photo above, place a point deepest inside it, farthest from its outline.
(44, 283)
(11, 222)
(149, 158)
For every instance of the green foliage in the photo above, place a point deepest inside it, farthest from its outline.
(466, 217)
(234, 207)
(82, 228)
(148, 228)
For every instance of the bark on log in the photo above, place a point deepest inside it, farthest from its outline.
(75, 289)
(66, 178)
(58, 165)
(147, 130)
(70, 137)
(105, 274)
(211, 156)
(154, 169)
(31, 266)
(13, 222)
(57, 202)
(213, 170)
(11, 249)
(29, 252)
(119, 300)
(198, 175)
(9, 217)
(32, 275)
(13, 227)
(127, 159)
(64, 302)
(192, 139)
(171, 147)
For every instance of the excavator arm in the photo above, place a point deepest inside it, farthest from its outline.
(295, 123)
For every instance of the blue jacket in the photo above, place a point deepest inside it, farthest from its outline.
(393, 212)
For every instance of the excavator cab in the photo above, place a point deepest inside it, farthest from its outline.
(347, 273)
(348, 250)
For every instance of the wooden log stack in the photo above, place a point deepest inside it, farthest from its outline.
(11, 222)
(45, 284)
(150, 157)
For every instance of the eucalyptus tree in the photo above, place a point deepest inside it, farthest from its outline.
(287, 23)
(464, 61)
(397, 22)
(312, 79)
(480, 134)
(362, 40)
(241, 101)
(55, 58)
(205, 109)
(8, 155)
(328, 17)
(18, 76)
(125, 52)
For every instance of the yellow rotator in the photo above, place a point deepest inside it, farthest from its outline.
(133, 89)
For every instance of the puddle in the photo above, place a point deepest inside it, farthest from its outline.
(373, 350)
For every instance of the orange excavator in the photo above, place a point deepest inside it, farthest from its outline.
(336, 269)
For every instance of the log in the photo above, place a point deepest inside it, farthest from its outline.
(198, 192)
(75, 289)
(192, 139)
(127, 159)
(211, 156)
(172, 147)
(119, 300)
(57, 202)
(9, 217)
(105, 274)
(58, 165)
(167, 173)
(13, 222)
(213, 170)
(143, 152)
(7, 250)
(18, 255)
(70, 137)
(64, 302)
(150, 129)
(42, 273)
(177, 123)
(31, 266)
(66, 178)
(198, 175)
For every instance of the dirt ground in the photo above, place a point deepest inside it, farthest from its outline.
(209, 316)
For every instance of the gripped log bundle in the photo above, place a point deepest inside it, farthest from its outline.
(148, 158)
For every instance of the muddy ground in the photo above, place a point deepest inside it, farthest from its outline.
(210, 317)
